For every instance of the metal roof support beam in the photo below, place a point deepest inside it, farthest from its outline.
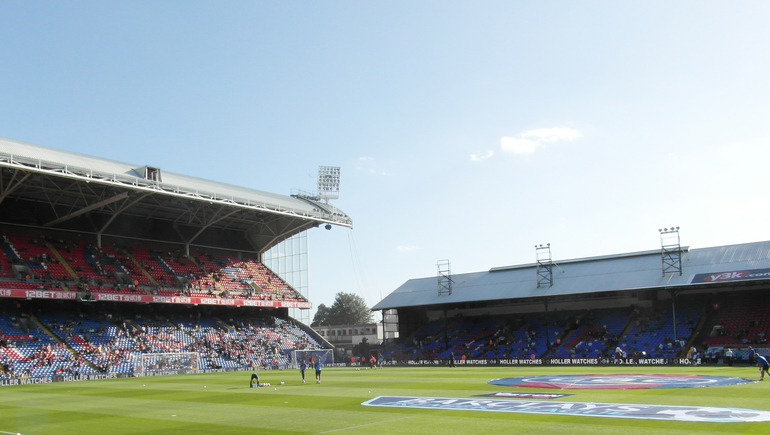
(59, 189)
(13, 186)
(85, 210)
(115, 215)
(185, 192)
(673, 311)
(280, 235)
(210, 223)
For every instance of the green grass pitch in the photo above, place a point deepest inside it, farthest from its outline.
(223, 403)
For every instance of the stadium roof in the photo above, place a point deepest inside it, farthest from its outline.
(731, 264)
(57, 189)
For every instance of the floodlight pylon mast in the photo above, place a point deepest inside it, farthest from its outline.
(670, 251)
(671, 261)
(544, 266)
(444, 278)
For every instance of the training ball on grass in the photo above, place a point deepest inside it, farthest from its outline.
(281, 382)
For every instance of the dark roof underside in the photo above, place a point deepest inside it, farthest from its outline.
(58, 190)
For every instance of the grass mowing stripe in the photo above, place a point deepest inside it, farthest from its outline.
(277, 416)
(181, 404)
(365, 425)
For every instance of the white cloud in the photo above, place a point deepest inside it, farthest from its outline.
(406, 248)
(530, 140)
(552, 134)
(518, 146)
(371, 166)
(476, 158)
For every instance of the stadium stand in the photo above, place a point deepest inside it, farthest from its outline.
(640, 332)
(59, 343)
(103, 263)
(137, 269)
(740, 321)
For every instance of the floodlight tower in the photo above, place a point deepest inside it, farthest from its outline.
(290, 258)
(544, 266)
(328, 182)
(671, 261)
(444, 277)
(670, 251)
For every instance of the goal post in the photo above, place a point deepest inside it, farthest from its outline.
(326, 356)
(148, 364)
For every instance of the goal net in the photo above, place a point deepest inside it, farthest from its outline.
(326, 356)
(148, 364)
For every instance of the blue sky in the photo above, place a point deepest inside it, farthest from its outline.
(466, 131)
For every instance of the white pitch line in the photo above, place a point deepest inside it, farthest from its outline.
(367, 424)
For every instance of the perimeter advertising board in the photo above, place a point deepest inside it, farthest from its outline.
(128, 297)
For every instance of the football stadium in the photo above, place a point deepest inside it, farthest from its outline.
(135, 300)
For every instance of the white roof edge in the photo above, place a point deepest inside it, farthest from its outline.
(43, 159)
